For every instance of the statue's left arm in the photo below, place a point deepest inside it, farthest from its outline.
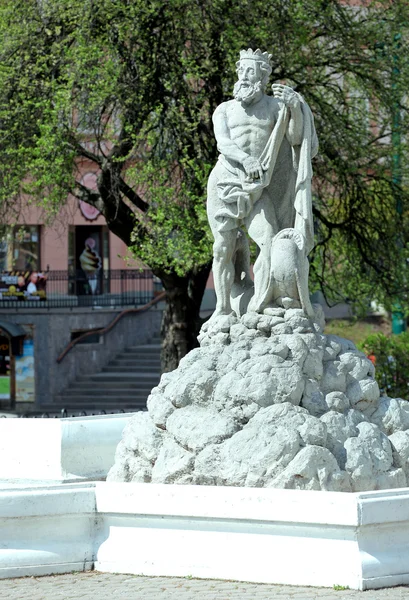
(291, 99)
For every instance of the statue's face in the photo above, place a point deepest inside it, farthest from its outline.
(248, 87)
(249, 71)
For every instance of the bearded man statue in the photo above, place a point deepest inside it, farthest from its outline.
(261, 184)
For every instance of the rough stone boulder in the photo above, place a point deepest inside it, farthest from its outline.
(269, 401)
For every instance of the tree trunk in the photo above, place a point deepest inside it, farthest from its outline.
(181, 320)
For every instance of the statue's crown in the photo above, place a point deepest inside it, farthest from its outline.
(257, 55)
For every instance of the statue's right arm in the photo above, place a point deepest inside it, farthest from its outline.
(225, 144)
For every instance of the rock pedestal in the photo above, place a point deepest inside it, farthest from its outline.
(269, 401)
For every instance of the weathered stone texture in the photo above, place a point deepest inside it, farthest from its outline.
(269, 401)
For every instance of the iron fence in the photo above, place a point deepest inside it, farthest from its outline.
(65, 414)
(65, 289)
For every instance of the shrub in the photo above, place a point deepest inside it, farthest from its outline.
(391, 358)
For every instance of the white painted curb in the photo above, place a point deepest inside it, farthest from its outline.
(246, 534)
(45, 530)
(61, 450)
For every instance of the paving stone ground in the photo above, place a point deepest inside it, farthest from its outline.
(104, 586)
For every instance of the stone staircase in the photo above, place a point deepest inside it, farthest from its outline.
(124, 384)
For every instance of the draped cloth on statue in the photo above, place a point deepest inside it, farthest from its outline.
(239, 195)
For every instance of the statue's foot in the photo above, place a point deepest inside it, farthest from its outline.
(217, 317)
(290, 303)
(222, 313)
(274, 311)
(219, 323)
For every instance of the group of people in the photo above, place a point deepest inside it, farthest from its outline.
(32, 284)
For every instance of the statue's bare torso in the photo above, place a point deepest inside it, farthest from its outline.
(249, 127)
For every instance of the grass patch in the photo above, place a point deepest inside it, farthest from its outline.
(358, 331)
(340, 588)
(4, 385)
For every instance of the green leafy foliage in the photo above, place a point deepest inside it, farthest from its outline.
(340, 588)
(392, 362)
(175, 234)
(127, 89)
(130, 87)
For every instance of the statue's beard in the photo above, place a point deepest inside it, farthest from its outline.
(245, 91)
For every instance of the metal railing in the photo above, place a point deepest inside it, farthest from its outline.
(65, 414)
(105, 289)
(80, 339)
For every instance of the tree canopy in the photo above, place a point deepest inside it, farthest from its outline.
(130, 86)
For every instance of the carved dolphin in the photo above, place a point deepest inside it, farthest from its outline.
(289, 270)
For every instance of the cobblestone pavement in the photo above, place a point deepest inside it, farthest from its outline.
(104, 586)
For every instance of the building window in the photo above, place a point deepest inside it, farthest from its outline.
(93, 338)
(88, 259)
(20, 249)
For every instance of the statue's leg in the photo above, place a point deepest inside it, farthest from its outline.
(243, 286)
(223, 250)
(223, 269)
(241, 259)
(262, 227)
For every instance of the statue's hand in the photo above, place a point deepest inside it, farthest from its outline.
(286, 94)
(253, 168)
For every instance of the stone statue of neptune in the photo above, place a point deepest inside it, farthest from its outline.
(267, 400)
(262, 182)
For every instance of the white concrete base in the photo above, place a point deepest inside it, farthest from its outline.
(261, 535)
(62, 450)
(45, 530)
(270, 536)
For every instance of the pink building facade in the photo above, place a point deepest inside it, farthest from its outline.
(37, 243)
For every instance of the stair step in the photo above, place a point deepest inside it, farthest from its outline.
(139, 403)
(103, 401)
(90, 408)
(125, 382)
(111, 387)
(130, 369)
(128, 362)
(109, 393)
(154, 349)
(120, 403)
(145, 348)
(106, 391)
(96, 402)
(136, 360)
(116, 376)
(100, 389)
(135, 373)
(137, 356)
(156, 364)
(150, 350)
(141, 350)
